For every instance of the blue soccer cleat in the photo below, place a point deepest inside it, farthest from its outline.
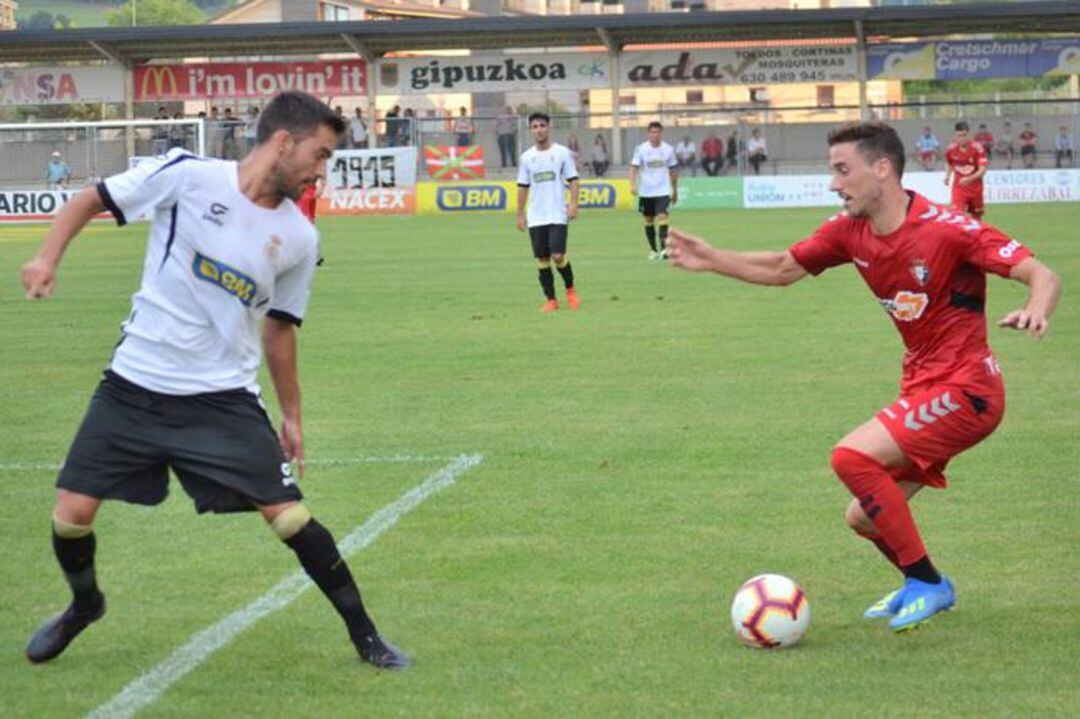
(886, 607)
(922, 601)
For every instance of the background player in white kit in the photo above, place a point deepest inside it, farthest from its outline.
(545, 171)
(654, 164)
(228, 251)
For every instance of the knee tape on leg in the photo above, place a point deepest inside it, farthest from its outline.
(662, 219)
(543, 264)
(290, 521)
(67, 530)
(563, 262)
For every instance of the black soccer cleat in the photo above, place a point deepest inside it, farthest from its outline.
(52, 637)
(382, 654)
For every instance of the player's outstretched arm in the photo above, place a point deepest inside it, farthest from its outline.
(1044, 289)
(279, 343)
(760, 268)
(39, 274)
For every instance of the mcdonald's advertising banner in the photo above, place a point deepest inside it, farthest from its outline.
(370, 182)
(501, 196)
(750, 66)
(494, 72)
(212, 80)
(973, 59)
(47, 85)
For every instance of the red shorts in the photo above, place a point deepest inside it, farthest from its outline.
(938, 422)
(968, 201)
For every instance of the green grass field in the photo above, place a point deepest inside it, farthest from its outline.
(641, 458)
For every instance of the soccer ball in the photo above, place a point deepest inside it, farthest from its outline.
(769, 612)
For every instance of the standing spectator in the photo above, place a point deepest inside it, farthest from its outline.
(927, 148)
(731, 157)
(178, 133)
(57, 173)
(985, 138)
(1028, 139)
(712, 155)
(600, 157)
(230, 123)
(506, 129)
(575, 151)
(251, 127)
(391, 123)
(358, 139)
(686, 155)
(217, 133)
(1063, 148)
(159, 136)
(756, 151)
(463, 128)
(343, 138)
(405, 127)
(1005, 145)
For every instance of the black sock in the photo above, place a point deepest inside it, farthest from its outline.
(650, 235)
(76, 557)
(567, 273)
(547, 281)
(319, 556)
(923, 570)
(663, 236)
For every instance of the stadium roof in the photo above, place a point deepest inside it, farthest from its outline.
(141, 44)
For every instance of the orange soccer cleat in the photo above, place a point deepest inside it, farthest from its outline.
(572, 298)
(550, 306)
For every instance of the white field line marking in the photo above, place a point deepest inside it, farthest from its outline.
(148, 687)
(400, 458)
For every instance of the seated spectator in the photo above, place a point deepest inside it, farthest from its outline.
(600, 157)
(756, 151)
(985, 138)
(1006, 145)
(686, 155)
(575, 151)
(57, 173)
(1063, 148)
(927, 149)
(712, 155)
(1028, 140)
(734, 149)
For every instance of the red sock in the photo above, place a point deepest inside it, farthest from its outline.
(883, 501)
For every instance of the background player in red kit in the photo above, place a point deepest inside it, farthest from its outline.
(307, 200)
(966, 162)
(927, 267)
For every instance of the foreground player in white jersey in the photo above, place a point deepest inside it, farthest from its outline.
(228, 251)
(545, 171)
(654, 163)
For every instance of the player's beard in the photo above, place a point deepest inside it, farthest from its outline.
(285, 186)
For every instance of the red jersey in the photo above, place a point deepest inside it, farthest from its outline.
(306, 203)
(929, 275)
(965, 161)
(986, 139)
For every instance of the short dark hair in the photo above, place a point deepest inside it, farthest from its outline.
(655, 124)
(961, 126)
(539, 116)
(873, 140)
(299, 113)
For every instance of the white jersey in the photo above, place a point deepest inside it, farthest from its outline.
(215, 264)
(653, 165)
(545, 173)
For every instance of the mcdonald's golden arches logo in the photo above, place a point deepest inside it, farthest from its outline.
(162, 78)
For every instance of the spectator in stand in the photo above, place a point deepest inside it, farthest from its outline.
(1006, 145)
(985, 138)
(343, 138)
(712, 155)
(159, 136)
(575, 151)
(756, 151)
(217, 133)
(405, 127)
(686, 155)
(506, 131)
(358, 138)
(251, 127)
(927, 149)
(231, 123)
(734, 145)
(178, 134)
(1028, 140)
(392, 123)
(1063, 148)
(463, 128)
(57, 173)
(600, 157)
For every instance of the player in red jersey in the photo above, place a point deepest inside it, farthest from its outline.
(967, 163)
(927, 267)
(307, 200)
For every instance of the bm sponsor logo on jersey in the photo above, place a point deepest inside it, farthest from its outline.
(596, 195)
(476, 197)
(233, 281)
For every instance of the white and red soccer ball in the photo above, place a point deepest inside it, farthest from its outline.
(770, 611)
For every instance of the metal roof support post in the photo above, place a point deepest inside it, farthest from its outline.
(370, 61)
(129, 91)
(616, 110)
(860, 64)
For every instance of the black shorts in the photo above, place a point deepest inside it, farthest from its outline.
(1027, 150)
(548, 240)
(221, 446)
(653, 206)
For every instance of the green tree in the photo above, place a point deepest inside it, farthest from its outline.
(155, 12)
